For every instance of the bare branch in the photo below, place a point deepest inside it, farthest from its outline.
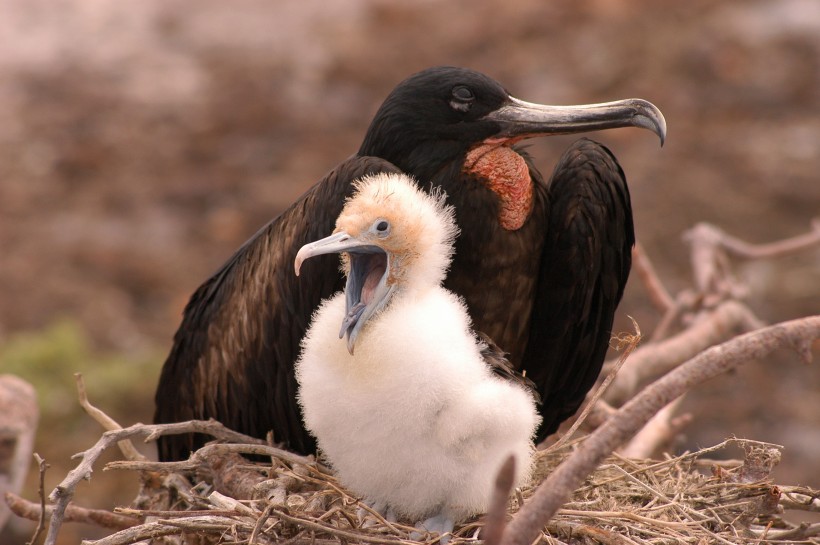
(657, 292)
(666, 321)
(496, 518)
(98, 517)
(558, 487)
(600, 413)
(658, 433)
(710, 264)
(800, 498)
(195, 461)
(42, 466)
(136, 534)
(801, 532)
(747, 250)
(63, 493)
(108, 423)
(710, 249)
(260, 523)
(653, 360)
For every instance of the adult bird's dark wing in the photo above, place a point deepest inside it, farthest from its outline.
(241, 329)
(585, 264)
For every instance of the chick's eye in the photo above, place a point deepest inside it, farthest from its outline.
(382, 227)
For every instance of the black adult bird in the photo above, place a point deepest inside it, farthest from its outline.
(541, 266)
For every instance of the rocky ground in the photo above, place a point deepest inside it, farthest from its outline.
(142, 142)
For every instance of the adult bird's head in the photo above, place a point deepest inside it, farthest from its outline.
(394, 239)
(439, 114)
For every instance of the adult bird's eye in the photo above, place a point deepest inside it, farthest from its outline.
(463, 93)
(463, 98)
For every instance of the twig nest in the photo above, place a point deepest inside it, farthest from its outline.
(689, 498)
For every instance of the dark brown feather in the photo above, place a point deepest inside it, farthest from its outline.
(585, 262)
(501, 366)
(233, 354)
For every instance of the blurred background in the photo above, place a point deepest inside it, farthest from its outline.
(142, 142)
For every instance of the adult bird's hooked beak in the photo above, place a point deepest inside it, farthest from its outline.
(519, 119)
(366, 290)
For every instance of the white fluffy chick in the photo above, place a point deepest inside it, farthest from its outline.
(407, 411)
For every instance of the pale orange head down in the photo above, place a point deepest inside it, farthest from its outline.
(394, 238)
(419, 232)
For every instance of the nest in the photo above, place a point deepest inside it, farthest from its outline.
(219, 496)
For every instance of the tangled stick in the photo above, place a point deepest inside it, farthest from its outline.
(126, 447)
(711, 313)
(496, 519)
(557, 488)
(657, 292)
(99, 517)
(62, 494)
(658, 433)
(710, 248)
(656, 359)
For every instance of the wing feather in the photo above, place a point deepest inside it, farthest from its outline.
(585, 264)
(233, 354)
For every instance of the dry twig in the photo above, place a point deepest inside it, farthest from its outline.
(657, 433)
(658, 294)
(42, 466)
(62, 494)
(710, 249)
(108, 423)
(558, 487)
(740, 248)
(98, 517)
(656, 359)
(195, 461)
(496, 519)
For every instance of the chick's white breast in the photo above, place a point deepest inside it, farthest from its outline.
(408, 361)
(410, 418)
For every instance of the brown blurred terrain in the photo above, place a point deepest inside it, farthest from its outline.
(142, 142)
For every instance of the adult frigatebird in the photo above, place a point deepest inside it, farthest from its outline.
(542, 267)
